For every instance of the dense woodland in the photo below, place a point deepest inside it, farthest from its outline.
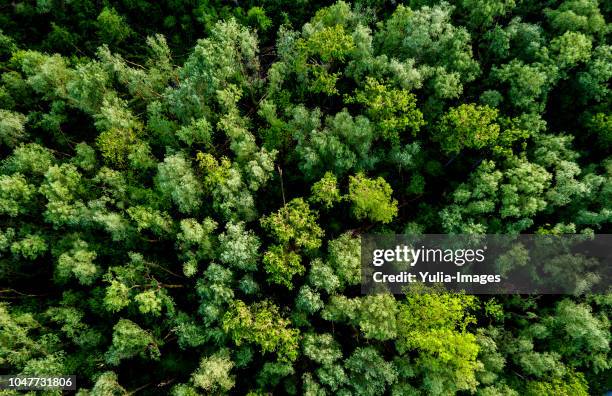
(183, 186)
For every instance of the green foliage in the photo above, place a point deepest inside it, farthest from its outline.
(77, 262)
(435, 324)
(344, 144)
(12, 128)
(213, 375)
(15, 194)
(368, 372)
(131, 340)
(176, 180)
(295, 223)
(371, 198)
(282, 265)
(184, 187)
(467, 126)
(262, 324)
(112, 27)
(239, 247)
(394, 110)
(325, 191)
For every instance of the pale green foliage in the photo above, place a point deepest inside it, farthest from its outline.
(131, 340)
(78, 263)
(17, 345)
(571, 49)
(29, 247)
(467, 126)
(215, 290)
(61, 188)
(329, 43)
(150, 219)
(74, 327)
(295, 223)
(115, 145)
(117, 296)
(517, 194)
(229, 55)
(308, 300)
(231, 197)
(198, 132)
(47, 75)
(133, 282)
(344, 144)
(28, 158)
(112, 27)
(175, 179)
(12, 128)
(325, 191)
(145, 82)
(577, 15)
(312, 55)
(242, 142)
(239, 247)
(89, 87)
(576, 329)
(442, 52)
(344, 255)
(393, 110)
(371, 199)
(107, 384)
(374, 315)
(528, 84)
(573, 385)
(149, 302)
(554, 152)
(434, 324)
(368, 373)
(282, 265)
(213, 374)
(258, 170)
(262, 324)
(196, 237)
(115, 114)
(85, 157)
(15, 194)
(322, 348)
(485, 12)
(321, 276)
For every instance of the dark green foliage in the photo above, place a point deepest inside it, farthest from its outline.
(184, 186)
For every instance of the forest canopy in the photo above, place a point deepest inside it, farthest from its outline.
(183, 186)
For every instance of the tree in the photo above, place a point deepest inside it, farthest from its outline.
(368, 372)
(262, 324)
(371, 198)
(238, 247)
(467, 126)
(213, 374)
(325, 191)
(393, 110)
(185, 186)
(176, 180)
(441, 50)
(12, 128)
(131, 340)
(282, 265)
(295, 224)
(112, 27)
(343, 145)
